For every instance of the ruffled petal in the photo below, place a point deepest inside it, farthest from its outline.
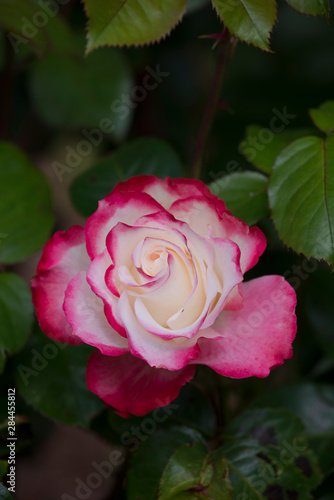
(251, 241)
(130, 386)
(63, 257)
(165, 191)
(207, 218)
(117, 207)
(255, 339)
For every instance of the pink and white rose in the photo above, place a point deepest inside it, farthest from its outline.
(155, 282)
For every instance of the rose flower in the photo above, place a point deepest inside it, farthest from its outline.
(155, 282)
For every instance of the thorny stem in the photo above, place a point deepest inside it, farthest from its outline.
(226, 49)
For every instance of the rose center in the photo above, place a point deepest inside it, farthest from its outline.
(154, 261)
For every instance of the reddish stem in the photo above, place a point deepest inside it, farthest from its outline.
(226, 49)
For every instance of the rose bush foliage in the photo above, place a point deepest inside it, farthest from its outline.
(155, 282)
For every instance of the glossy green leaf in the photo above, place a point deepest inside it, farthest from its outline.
(256, 472)
(310, 7)
(142, 156)
(149, 461)
(323, 117)
(131, 22)
(301, 196)
(249, 20)
(51, 377)
(261, 145)
(245, 194)
(192, 474)
(34, 24)
(16, 314)
(25, 206)
(92, 93)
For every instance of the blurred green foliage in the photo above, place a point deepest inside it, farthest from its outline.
(74, 125)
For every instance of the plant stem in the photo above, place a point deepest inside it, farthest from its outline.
(226, 50)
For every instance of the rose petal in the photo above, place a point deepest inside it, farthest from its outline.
(170, 354)
(165, 191)
(257, 338)
(96, 279)
(251, 241)
(116, 207)
(235, 300)
(205, 217)
(85, 313)
(63, 257)
(227, 271)
(131, 386)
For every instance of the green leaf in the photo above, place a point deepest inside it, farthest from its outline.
(16, 314)
(142, 156)
(131, 22)
(281, 433)
(313, 404)
(51, 377)
(256, 472)
(148, 463)
(267, 453)
(323, 117)
(25, 206)
(245, 194)
(310, 7)
(249, 20)
(84, 92)
(261, 146)
(191, 474)
(268, 426)
(28, 22)
(301, 196)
